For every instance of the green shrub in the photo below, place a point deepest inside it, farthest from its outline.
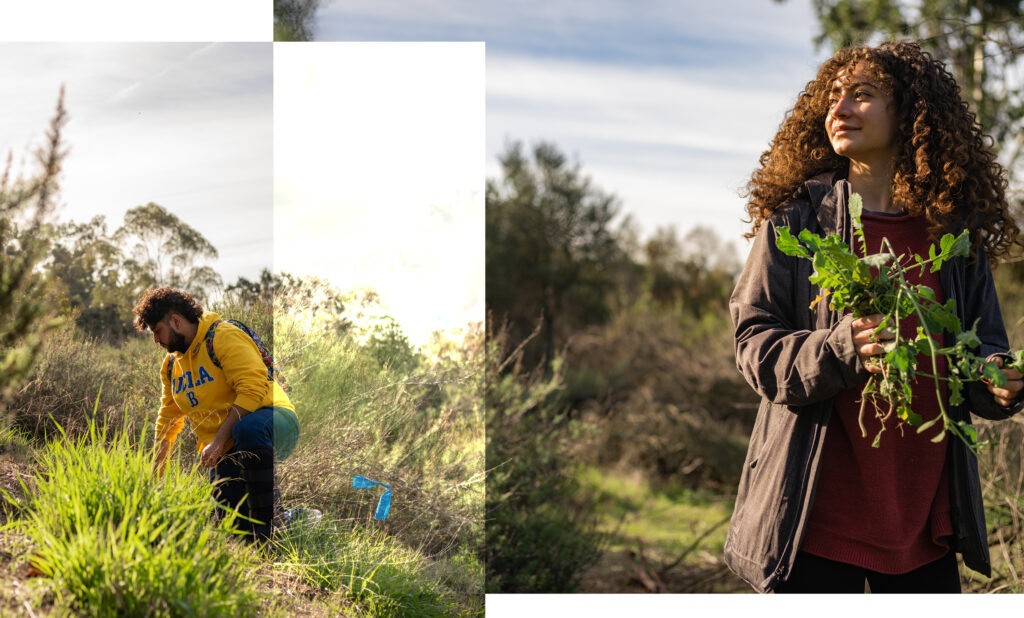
(117, 540)
(540, 529)
(391, 348)
(26, 306)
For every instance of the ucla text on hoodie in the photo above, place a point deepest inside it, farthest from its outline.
(203, 393)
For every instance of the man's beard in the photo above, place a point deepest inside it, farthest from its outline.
(177, 343)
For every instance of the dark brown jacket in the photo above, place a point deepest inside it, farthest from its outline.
(798, 359)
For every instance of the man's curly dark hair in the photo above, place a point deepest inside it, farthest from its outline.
(157, 303)
(944, 168)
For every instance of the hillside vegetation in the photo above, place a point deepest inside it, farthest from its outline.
(617, 420)
(85, 527)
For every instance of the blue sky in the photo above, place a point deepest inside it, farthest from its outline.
(186, 125)
(666, 104)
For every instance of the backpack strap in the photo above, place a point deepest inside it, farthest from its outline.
(169, 361)
(273, 373)
(209, 343)
(264, 351)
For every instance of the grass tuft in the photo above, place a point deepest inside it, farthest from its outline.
(370, 569)
(117, 540)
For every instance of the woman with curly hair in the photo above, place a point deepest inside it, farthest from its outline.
(817, 508)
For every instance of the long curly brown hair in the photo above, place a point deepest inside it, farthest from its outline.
(945, 168)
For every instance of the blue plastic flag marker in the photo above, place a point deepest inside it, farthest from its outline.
(384, 505)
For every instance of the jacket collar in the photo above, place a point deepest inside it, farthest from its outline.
(828, 192)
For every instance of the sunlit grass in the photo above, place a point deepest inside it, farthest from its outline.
(419, 430)
(117, 540)
(14, 441)
(370, 569)
(666, 521)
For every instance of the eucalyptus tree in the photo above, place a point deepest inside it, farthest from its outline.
(164, 250)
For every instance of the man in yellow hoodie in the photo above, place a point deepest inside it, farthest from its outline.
(215, 376)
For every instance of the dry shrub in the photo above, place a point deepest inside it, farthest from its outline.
(664, 391)
(1001, 464)
(73, 371)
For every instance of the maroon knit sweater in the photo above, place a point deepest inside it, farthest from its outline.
(885, 509)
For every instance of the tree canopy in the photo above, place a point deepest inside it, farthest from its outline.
(295, 20)
(549, 245)
(166, 251)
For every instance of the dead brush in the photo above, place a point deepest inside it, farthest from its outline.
(62, 388)
(1002, 476)
(663, 393)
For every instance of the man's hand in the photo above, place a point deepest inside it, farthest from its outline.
(1007, 394)
(215, 449)
(868, 345)
(211, 453)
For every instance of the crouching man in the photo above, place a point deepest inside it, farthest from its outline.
(215, 375)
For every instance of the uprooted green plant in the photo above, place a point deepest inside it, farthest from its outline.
(877, 284)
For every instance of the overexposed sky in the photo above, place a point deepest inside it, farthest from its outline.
(136, 20)
(186, 125)
(379, 174)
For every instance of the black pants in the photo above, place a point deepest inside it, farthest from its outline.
(248, 473)
(821, 575)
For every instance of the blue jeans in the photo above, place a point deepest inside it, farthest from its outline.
(276, 428)
(261, 437)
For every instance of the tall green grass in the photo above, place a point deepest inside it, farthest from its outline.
(415, 423)
(118, 541)
(370, 569)
(420, 432)
(14, 441)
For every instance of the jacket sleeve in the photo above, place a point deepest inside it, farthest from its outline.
(981, 303)
(783, 364)
(243, 367)
(170, 420)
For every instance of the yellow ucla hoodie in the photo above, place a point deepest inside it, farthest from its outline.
(203, 393)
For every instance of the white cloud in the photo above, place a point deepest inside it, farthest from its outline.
(644, 28)
(667, 104)
(379, 168)
(655, 106)
(675, 148)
